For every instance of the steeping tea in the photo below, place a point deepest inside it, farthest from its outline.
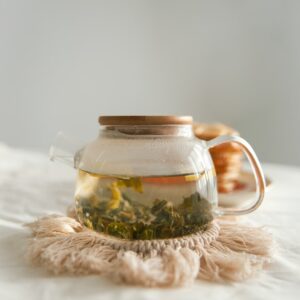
(142, 207)
(149, 177)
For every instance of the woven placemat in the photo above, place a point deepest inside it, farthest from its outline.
(225, 251)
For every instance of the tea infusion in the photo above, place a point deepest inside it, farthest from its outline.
(139, 207)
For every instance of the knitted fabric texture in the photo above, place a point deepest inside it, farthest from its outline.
(225, 251)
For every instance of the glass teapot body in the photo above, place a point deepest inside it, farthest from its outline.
(150, 178)
(142, 185)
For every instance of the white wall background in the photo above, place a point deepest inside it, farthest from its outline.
(63, 63)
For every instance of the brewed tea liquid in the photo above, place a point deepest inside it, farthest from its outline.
(150, 207)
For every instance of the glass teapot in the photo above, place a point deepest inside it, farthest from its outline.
(149, 177)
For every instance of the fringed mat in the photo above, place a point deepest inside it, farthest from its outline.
(225, 251)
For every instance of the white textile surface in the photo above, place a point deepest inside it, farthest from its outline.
(31, 187)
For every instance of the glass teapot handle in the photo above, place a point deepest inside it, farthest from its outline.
(256, 169)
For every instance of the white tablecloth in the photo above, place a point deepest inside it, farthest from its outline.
(31, 186)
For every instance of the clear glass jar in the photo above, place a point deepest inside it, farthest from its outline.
(149, 177)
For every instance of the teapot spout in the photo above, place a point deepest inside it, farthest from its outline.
(66, 150)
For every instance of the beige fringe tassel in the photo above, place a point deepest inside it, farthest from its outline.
(226, 251)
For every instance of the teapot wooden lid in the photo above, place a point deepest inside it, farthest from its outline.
(145, 120)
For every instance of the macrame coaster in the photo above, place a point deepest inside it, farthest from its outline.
(225, 251)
